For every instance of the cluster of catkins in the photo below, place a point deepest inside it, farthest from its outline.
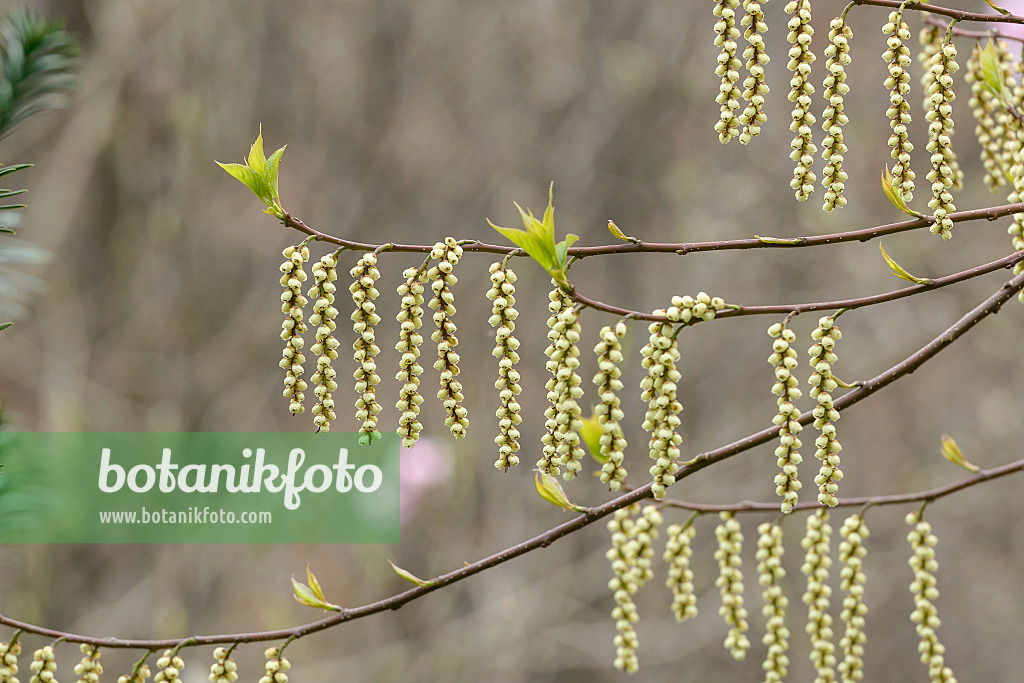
(938, 59)
(633, 530)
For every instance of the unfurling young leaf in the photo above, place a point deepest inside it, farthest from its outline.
(619, 235)
(550, 489)
(951, 452)
(894, 196)
(409, 576)
(312, 595)
(993, 71)
(260, 175)
(997, 8)
(591, 435)
(901, 273)
(538, 240)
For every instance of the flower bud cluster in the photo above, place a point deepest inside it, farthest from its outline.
(410, 319)
(800, 59)
(503, 317)
(564, 417)
(644, 532)
(170, 665)
(689, 309)
(816, 565)
(623, 584)
(727, 69)
(275, 667)
(44, 665)
(325, 346)
(89, 668)
(925, 616)
(9, 661)
(364, 318)
(931, 39)
(825, 414)
(991, 118)
(754, 87)
(293, 327)
(223, 669)
(784, 360)
(678, 550)
(442, 278)
(851, 580)
(833, 148)
(609, 414)
(940, 131)
(140, 675)
(659, 389)
(730, 584)
(897, 55)
(770, 574)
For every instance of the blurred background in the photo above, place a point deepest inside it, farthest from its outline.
(409, 121)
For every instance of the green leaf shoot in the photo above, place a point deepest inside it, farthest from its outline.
(312, 595)
(550, 489)
(894, 196)
(951, 452)
(900, 272)
(409, 576)
(260, 175)
(537, 239)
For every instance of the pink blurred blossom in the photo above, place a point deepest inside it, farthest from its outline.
(425, 466)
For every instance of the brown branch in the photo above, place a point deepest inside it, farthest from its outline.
(895, 499)
(988, 307)
(959, 15)
(682, 248)
(998, 264)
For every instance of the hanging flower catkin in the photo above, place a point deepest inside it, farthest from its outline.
(897, 55)
(989, 115)
(770, 574)
(564, 418)
(622, 556)
(276, 666)
(645, 532)
(609, 414)
(325, 346)
(44, 665)
(800, 59)
(503, 316)
(170, 665)
(364, 319)
(223, 669)
(726, 34)
(678, 550)
(730, 584)
(786, 387)
(851, 580)
(833, 148)
(140, 675)
(410, 319)
(9, 661)
(754, 87)
(816, 568)
(931, 39)
(89, 668)
(940, 129)
(825, 415)
(925, 616)
(447, 254)
(659, 389)
(293, 326)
